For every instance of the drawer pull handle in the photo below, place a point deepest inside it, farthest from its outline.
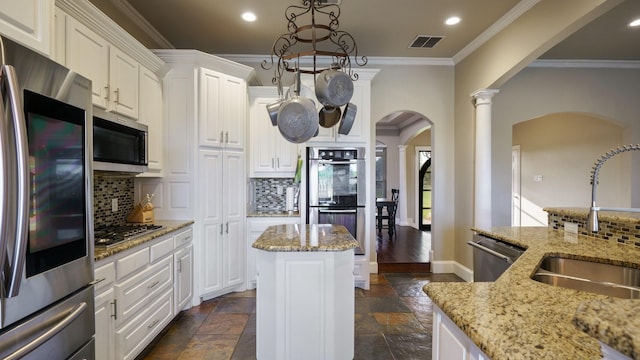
(115, 309)
(97, 281)
(186, 239)
(153, 324)
(153, 285)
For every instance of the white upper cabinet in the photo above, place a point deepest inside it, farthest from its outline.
(151, 114)
(28, 22)
(113, 73)
(123, 83)
(271, 155)
(88, 54)
(222, 109)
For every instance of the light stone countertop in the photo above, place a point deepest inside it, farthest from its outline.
(274, 213)
(516, 317)
(168, 226)
(305, 237)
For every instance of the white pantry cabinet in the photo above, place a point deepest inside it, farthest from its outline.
(114, 74)
(449, 342)
(270, 154)
(204, 175)
(28, 22)
(134, 293)
(221, 172)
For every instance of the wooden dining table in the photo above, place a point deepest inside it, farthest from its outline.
(382, 203)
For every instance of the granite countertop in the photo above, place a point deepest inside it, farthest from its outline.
(305, 237)
(273, 213)
(516, 317)
(168, 226)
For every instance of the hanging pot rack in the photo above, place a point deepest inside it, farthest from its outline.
(313, 40)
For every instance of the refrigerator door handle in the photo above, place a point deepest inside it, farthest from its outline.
(73, 314)
(14, 278)
(4, 186)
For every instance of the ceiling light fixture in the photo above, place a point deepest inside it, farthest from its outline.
(320, 37)
(452, 20)
(635, 23)
(249, 17)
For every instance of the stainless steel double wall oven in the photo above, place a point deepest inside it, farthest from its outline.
(336, 191)
(46, 251)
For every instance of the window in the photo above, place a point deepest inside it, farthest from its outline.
(381, 171)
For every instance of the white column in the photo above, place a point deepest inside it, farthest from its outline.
(402, 197)
(482, 189)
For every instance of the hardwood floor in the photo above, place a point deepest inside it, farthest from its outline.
(406, 251)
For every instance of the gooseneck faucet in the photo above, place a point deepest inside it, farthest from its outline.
(592, 220)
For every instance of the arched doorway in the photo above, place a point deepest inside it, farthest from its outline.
(398, 135)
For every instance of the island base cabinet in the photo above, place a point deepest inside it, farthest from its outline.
(449, 342)
(305, 305)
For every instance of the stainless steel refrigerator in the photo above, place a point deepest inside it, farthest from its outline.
(46, 210)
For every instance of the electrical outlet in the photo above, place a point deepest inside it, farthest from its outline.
(114, 204)
(279, 189)
(537, 178)
(571, 227)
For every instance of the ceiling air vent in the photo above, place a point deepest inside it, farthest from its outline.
(425, 41)
(329, 2)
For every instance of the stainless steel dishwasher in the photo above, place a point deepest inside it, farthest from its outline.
(492, 257)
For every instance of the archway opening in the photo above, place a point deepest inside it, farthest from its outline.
(401, 138)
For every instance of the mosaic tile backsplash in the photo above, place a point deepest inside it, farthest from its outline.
(266, 193)
(106, 188)
(620, 231)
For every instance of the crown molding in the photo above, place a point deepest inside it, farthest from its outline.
(587, 64)
(199, 58)
(90, 16)
(129, 11)
(326, 61)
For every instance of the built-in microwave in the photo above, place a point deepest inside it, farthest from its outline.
(119, 144)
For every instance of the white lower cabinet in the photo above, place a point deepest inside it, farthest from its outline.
(183, 265)
(135, 291)
(256, 226)
(450, 343)
(105, 342)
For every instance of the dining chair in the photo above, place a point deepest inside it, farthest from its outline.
(386, 215)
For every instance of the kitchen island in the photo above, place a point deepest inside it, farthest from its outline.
(305, 297)
(516, 317)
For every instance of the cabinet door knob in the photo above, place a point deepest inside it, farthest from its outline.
(106, 92)
(117, 95)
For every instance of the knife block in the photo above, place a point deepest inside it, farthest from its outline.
(141, 214)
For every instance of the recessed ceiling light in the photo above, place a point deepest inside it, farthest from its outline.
(634, 23)
(249, 16)
(452, 20)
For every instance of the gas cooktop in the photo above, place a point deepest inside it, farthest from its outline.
(107, 236)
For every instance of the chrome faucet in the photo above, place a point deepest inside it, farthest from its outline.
(592, 221)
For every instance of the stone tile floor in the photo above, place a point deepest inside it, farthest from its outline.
(393, 320)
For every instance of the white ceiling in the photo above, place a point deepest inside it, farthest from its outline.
(380, 28)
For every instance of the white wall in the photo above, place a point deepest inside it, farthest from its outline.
(610, 94)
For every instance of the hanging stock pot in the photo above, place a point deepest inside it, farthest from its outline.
(334, 88)
(297, 117)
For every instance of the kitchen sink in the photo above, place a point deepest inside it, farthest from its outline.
(586, 275)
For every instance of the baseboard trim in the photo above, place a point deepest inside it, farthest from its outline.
(448, 267)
